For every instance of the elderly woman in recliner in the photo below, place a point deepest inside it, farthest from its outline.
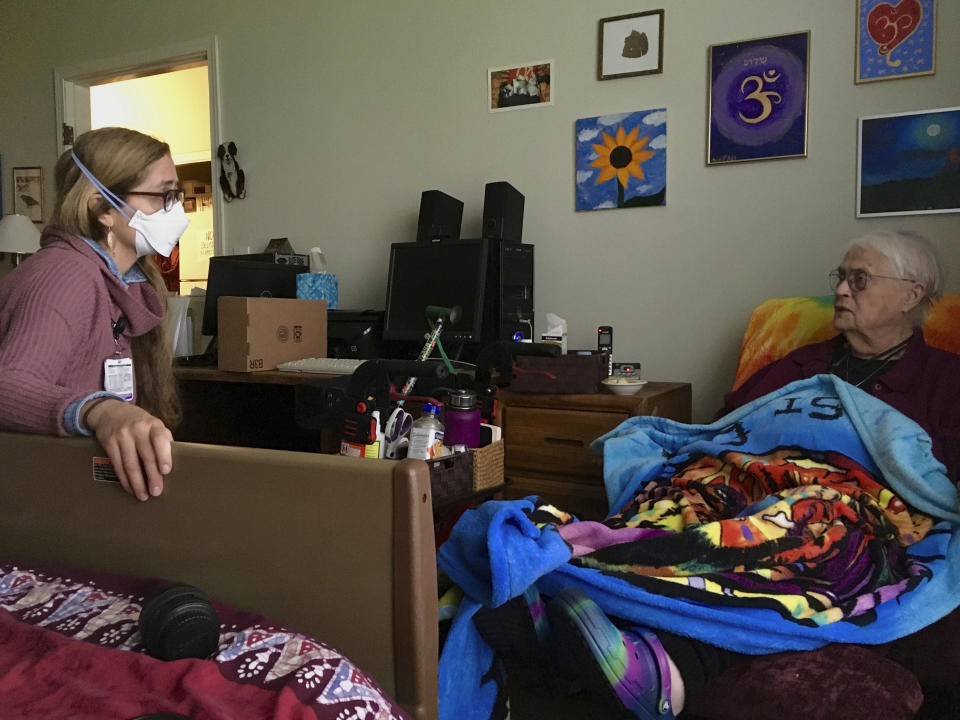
(883, 288)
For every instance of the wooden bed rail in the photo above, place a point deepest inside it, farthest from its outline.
(337, 548)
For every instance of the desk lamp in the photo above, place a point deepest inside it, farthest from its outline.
(18, 235)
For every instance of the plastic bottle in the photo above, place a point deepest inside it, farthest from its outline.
(461, 419)
(426, 434)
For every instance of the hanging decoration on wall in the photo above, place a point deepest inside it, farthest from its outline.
(232, 179)
(622, 160)
(515, 87)
(909, 163)
(758, 99)
(630, 45)
(895, 40)
(28, 192)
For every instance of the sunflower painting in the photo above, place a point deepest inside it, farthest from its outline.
(622, 160)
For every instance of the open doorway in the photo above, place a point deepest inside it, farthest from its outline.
(170, 94)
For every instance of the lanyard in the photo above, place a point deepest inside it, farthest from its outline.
(118, 326)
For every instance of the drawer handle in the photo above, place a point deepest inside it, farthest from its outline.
(563, 441)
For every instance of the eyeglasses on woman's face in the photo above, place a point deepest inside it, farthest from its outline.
(858, 279)
(170, 197)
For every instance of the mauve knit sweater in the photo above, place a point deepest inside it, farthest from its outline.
(56, 315)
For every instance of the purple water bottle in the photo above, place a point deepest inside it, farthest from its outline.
(461, 419)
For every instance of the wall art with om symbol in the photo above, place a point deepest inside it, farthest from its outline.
(758, 99)
(895, 39)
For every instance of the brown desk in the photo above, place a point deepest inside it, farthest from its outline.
(263, 377)
(547, 440)
(254, 409)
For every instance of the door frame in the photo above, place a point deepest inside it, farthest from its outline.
(72, 94)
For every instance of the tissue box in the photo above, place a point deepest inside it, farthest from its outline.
(318, 286)
(560, 340)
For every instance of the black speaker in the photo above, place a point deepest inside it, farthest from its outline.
(440, 217)
(502, 212)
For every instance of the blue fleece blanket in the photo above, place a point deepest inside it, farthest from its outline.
(788, 524)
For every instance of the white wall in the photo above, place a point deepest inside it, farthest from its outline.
(345, 111)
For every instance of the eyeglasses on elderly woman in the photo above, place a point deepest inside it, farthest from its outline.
(858, 279)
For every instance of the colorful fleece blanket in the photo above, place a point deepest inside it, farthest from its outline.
(815, 514)
(70, 648)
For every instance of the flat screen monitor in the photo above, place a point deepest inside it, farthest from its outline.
(446, 273)
(233, 275)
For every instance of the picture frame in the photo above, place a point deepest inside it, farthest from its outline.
(28, 192)
(630, 45)
(521, 86)
(895, 39)
(757, 99)
(621, 160)
(907, 163)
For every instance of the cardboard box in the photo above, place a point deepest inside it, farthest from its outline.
(257, 333)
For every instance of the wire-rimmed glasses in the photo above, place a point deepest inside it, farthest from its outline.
(857, 279)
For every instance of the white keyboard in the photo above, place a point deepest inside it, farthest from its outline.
(323, 366)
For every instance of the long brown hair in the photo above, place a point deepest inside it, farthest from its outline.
(119, 159)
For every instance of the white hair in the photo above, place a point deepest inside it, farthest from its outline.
(912, 257)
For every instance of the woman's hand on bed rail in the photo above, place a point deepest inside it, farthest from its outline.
(139, 445)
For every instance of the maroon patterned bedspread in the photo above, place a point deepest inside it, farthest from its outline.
(70, 648)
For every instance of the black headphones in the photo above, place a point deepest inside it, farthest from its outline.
(234, 187)
(178, 623)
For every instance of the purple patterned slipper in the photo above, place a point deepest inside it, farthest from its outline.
(628, 668)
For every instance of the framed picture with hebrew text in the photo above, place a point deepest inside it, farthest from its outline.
(895, 39)
(757, 107)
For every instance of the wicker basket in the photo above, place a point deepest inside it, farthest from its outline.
(460, 475)
(488, 466)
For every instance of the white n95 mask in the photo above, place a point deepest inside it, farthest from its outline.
(159, 232)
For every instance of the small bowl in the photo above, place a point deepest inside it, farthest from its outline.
(623, 386)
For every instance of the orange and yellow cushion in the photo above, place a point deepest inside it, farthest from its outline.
(781, 325)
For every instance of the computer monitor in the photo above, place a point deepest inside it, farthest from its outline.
(446, 273)
(234, 275)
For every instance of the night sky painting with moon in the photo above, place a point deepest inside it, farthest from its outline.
(910, 163)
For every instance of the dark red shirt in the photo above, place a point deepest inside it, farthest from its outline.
(924, 384)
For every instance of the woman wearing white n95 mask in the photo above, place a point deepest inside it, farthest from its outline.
(82, 347)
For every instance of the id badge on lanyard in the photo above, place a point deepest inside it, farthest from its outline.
(117, 370)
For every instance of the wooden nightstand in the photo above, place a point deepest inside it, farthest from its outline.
(547, 440)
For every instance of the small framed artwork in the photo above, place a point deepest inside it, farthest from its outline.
(908, 163)
(757, 108)
(895, 39)
(520, 86)
(622, 160)
(28, 192)
(630, 45)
